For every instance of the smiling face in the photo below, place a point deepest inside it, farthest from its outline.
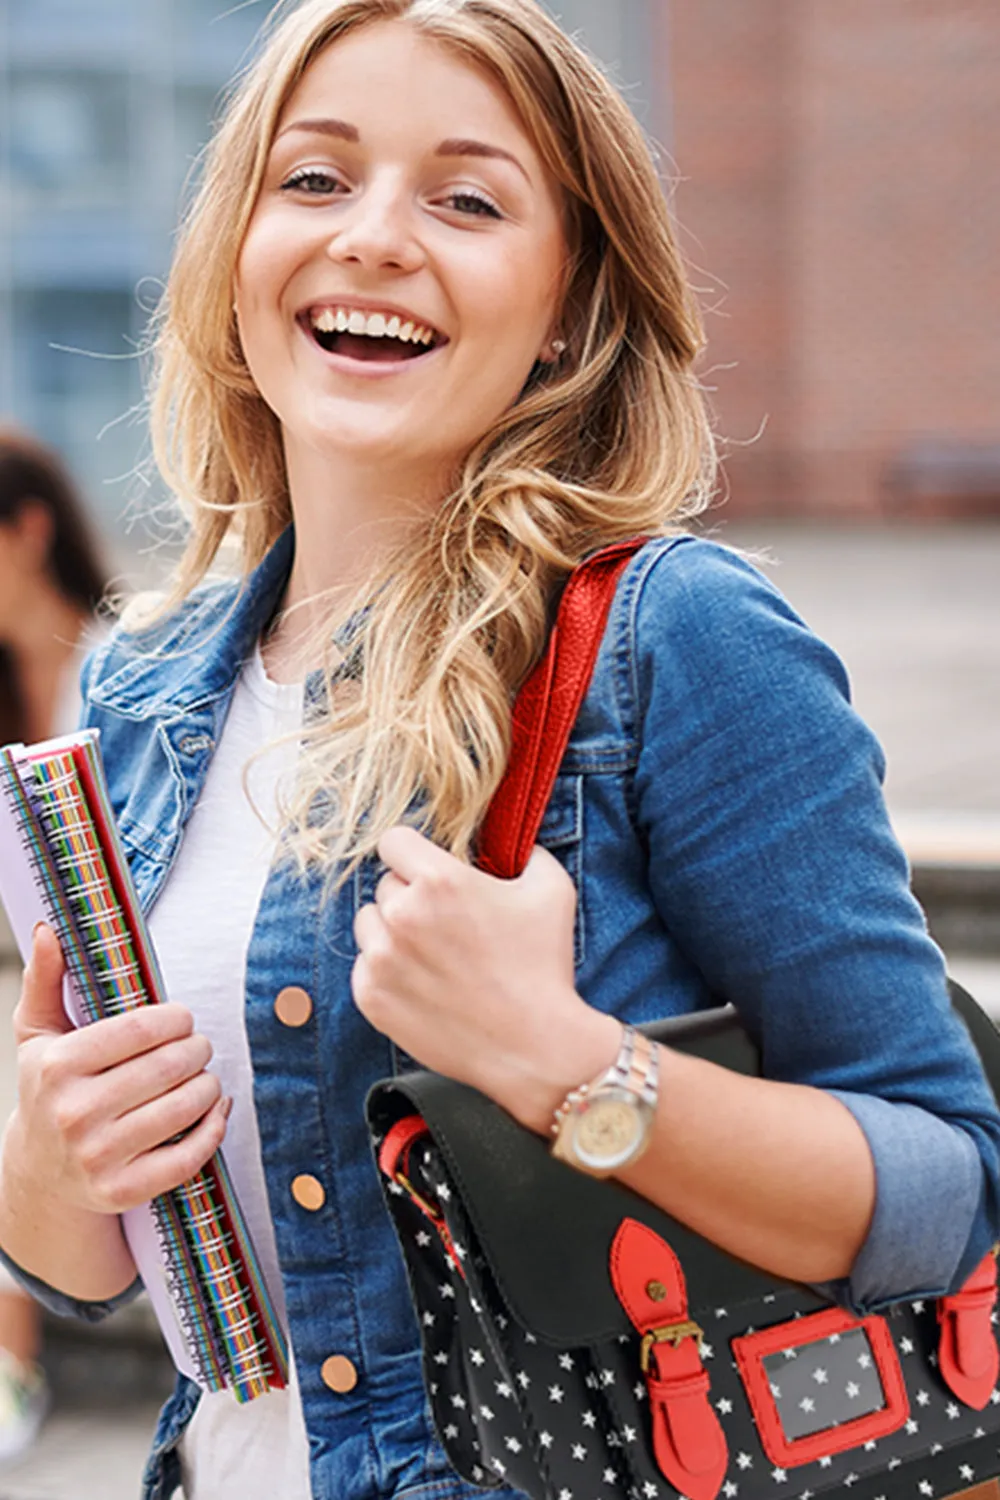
(403, 266)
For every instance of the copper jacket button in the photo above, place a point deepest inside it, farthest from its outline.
(294, 1006)
(308, 1192)
(339, 1374)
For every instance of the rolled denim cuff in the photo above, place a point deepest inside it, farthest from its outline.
(929, 1188)
(63, 1305)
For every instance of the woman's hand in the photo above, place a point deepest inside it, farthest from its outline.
(100, 1108)
(474, 976)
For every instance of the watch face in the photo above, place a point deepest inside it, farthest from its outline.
(609, 1130)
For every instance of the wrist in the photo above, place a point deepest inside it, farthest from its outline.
(579, 1052)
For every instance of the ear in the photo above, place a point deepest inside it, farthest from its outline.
(34, 528)
(552, 351)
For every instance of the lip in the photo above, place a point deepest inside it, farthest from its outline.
(365, 369)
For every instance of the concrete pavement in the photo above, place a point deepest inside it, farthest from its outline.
(915, 613)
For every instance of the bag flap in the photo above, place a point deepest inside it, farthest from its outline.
(544, 1229)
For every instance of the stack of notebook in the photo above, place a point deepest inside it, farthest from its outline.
(61, 861)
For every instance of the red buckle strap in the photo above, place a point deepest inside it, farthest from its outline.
(394, 1163)
(688, 1439)
(968, 1357)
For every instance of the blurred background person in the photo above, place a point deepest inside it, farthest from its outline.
(51, 584)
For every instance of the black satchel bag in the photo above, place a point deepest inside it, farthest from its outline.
(581, 1344)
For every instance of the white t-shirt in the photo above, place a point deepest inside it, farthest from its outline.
(201, 926)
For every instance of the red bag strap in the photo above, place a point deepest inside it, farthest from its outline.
(546, 710)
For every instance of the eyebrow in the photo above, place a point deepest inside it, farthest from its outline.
(479, 148)
(455, 147)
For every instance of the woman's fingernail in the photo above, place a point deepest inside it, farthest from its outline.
(35, 930)
(227, 1106)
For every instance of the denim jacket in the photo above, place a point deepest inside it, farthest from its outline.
(719, 809)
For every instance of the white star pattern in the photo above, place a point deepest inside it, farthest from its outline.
(565, 1495)
(807, 1404)
(443, 1191)
(441, 1357)
(779, 1476)
(995, 1397)
(477, 1356)
(545, 1438)
(513, 1444)
(923, 1398)
(458, 1401)
(579, 1452)
(556, 1393)
(744, 1461)
(724, 1405)
(729, 1489)
(912, 1427)
(423, 1238)
(966, 1472)
(720, 1312)
(865, 1360)
(852, 1390)
(487, 1413)
(825, 1461)
(566, 1361)
(925, 1487)
(650, 1490)
(629, 1434)
(529, 1338)
(918, 1307)
(906, 1346)
(952, 1411)
(428, 1320)
(588, 1419)
(775, 1391)
(707, 1352)
(523, 1380)
(451, 1431)
(610, 1476)
(820, 1376)
(607, 1377)
(850, 1479)
(503, 1389)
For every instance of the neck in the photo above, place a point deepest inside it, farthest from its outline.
(42, 639)
(348, 517)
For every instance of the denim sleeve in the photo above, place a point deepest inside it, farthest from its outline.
(774, 867)
(65, 1306)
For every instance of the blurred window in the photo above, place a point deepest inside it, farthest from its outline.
(69, 135)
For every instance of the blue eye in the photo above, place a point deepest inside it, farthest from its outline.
(310, 180)
(474, 203)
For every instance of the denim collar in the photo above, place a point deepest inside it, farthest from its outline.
(195, 656)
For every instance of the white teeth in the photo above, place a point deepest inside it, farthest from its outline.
(374, 325)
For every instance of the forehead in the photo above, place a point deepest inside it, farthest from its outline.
(389, 77)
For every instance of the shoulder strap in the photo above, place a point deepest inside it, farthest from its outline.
(546, 710)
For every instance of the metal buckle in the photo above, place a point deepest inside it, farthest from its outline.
(670, 1333)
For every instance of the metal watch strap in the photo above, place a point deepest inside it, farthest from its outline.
(636, 1068)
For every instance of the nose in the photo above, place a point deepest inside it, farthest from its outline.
(377, 230)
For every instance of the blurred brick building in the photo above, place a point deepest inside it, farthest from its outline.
(840, 201)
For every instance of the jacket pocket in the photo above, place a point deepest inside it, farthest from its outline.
(561, 833)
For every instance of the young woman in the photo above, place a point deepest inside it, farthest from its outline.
(51, 582)
(427, 343)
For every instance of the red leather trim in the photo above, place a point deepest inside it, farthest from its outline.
(688, 1440)
(393, 1156)
(546, 710)
(968, 1357)
(750, 1350)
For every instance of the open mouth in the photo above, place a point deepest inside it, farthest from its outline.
(370, 336)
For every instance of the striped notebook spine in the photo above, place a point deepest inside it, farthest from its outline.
(228, 1317)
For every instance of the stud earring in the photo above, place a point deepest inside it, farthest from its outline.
(558, 346)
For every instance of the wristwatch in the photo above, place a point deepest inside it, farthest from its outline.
(606, 1124)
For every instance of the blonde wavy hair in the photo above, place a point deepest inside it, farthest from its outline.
(611, 442)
